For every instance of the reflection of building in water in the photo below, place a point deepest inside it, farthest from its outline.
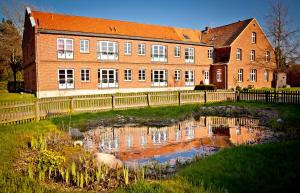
(144, 142)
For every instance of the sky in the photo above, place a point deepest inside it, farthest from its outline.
(195, 14)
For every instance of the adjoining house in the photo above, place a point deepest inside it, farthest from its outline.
(71, 55)
(293, 75)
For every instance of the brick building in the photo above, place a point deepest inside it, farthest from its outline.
(71, 55)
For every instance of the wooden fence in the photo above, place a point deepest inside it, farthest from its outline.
(14, 112)
(291, 97)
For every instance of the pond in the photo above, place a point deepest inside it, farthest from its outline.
(181, 142)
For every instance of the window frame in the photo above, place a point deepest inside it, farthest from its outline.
(252, 55)
(85, 70)
(66, 86)
(210, 53)
(86, 44)
(127, 48)
(127, 74)
(141, 75)
(141, 48)
(240, 75)
(253, 75)
(104, 54)
(63, 53)
(108, 84)
(177, 75)
(238, 54)
(188, 81)
(177, 51)
(253, 37)
(188, 57)
(159, 83)
(158, 57)
(268, 58)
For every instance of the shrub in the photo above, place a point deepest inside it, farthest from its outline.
(205, 87)
(238, 88)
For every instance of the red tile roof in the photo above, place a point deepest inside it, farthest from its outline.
(224, 35)
(61, 22)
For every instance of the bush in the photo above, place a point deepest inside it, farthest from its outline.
(205, 87)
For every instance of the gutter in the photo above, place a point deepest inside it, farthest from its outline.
(89, 34)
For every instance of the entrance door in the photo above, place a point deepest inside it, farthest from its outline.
(206, 77)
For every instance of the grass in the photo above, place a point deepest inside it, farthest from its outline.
(5, 96)
(261, 168)
(264, 168)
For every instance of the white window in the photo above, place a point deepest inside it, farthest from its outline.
(142, 75)
(65, 78)
(64, 48)
(127, 75)
(210, 53)
(239, 54)
(240, 75)
(159, 53)
(177, 51)
(267, 56)
(143, 140)
(159, 137)
(159, 78)
(189, 78)
(252, 55)
(266, 75)
(129, 141)
(253, 37)
(178, 135)
(108, 78)
(127, 48)
(190, 132)
(189, 55)
(253, 73)
(84, 46)
(142, 49)
(85, 75)
(107, 50)
(219, 75)
(177, 75)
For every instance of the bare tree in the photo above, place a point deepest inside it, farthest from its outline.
(16, 65)
(283, 35)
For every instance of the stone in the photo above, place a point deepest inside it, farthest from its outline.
(279, 120)
(78, 142)
(108, 159)
(75, 133)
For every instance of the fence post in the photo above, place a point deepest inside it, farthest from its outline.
(179, 98)
(72, 104)
(148, 100)
(237, 95)
(37, 110)
(267, 96)
(205, 97)
(113, 101)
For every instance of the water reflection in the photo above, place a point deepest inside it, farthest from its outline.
(186, 139)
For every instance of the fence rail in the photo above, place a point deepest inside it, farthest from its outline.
(14, 112)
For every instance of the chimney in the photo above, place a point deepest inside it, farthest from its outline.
(207, 29)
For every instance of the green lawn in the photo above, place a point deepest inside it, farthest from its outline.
(261, 168)
(4, 96)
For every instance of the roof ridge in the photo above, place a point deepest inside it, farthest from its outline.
(250, 19)
(117, 20)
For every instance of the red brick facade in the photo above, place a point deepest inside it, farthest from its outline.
(42, 65)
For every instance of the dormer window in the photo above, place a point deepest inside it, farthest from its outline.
(64, 48)
(253, 38)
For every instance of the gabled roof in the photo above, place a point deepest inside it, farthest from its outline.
(61, 22)
(224, 35)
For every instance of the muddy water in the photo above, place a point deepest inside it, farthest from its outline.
(180, 142)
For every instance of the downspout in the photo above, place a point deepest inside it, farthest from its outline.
(36, 64)
(225, 76)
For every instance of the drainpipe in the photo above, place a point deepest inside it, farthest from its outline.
(36, 64)
(225, 69)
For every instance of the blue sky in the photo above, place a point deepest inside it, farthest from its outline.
(194, 14)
